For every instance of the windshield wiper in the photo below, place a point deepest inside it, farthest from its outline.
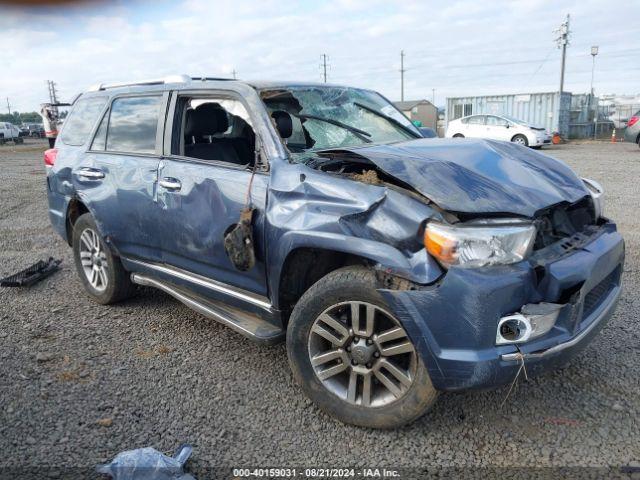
(361, 134)
(386, 117)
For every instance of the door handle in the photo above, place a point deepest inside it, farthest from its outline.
(170, 183)
(90, 173)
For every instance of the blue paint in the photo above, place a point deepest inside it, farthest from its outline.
(451, 315)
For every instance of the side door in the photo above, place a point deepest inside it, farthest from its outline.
(497, 128)
(205, 180)
(475, 127)
(117, 176)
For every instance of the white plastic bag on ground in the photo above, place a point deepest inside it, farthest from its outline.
(148, 464)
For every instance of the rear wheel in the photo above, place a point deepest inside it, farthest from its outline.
(102, 274)
(520, 140)
(458, 135)
(352, 357)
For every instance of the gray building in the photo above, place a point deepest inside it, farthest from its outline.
(421, 110)
(547, 109)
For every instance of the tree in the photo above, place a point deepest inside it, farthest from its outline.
(17, 118)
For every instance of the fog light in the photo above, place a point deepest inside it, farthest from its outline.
(533, 321)
(513, 329)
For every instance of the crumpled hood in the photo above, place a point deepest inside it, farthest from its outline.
(478, 176)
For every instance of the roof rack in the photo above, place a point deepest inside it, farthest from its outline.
(155, 81)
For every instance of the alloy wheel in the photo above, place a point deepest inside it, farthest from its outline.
(93, 259)
(362, 354)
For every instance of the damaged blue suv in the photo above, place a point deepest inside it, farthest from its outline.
(395, 266)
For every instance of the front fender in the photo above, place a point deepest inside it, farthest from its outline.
(418, 267)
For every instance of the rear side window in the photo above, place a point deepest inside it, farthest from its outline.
(81, 120)
(133, 124)
(129, 126)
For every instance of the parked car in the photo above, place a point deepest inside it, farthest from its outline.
(8, 131)
(499, 127)
(34, 130)
(395, 266)
(632, 132)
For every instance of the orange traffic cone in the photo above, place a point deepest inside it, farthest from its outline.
(613, 136)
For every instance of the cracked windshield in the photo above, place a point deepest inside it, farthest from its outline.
(310, 119)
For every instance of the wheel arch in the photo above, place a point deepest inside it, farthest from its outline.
(75, 209)
(291, 275)
(304, 266)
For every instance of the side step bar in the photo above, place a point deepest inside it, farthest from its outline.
(245, 323)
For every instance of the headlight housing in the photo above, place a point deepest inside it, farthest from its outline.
(597, 195)
(490, 242)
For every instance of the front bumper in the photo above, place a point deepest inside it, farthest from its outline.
(453, 323)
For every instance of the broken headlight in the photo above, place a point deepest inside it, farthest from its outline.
(478, 244)
(597, 195)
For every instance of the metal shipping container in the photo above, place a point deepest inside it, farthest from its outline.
(545, 109)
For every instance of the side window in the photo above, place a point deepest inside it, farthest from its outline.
(216, 129)
(496, 121)
(132, 125)
(476, 120)
(81, 120)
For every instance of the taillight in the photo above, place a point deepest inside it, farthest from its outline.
(632, 121)
(50, 156)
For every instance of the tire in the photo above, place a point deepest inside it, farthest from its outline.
(112, 283)
(382, 408)
(520, 140)
(458, 135)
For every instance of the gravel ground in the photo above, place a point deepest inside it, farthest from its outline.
(80, 382)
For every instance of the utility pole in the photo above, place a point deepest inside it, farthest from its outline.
(563, 41)
(53, 97)
(324, 67)
(8, 106)
(433, 96)
(594, 52)
(234, 74)
(402, 70)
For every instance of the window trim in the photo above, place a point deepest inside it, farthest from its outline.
(216, 93)
(162, 112)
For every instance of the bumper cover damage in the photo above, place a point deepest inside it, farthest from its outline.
(453, 322)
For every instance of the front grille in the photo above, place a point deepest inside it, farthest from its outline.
(562, 221)
(598, 294)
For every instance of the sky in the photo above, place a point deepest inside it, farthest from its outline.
(458, 48)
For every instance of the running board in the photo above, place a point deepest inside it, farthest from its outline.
(247, 324)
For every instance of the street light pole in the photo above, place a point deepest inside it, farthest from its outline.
(594, 52)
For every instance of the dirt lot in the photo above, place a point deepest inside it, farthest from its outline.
(81, 382)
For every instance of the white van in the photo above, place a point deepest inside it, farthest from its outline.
(8, 131)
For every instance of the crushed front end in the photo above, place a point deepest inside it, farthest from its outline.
(473, 328)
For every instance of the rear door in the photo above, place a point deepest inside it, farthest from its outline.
(204, 181)
(117, 177)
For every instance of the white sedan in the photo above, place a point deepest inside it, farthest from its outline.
(498, 127)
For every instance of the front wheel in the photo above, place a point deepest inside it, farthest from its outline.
(352, 356)
(520, 140)
(458, 135)
(103, 276)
